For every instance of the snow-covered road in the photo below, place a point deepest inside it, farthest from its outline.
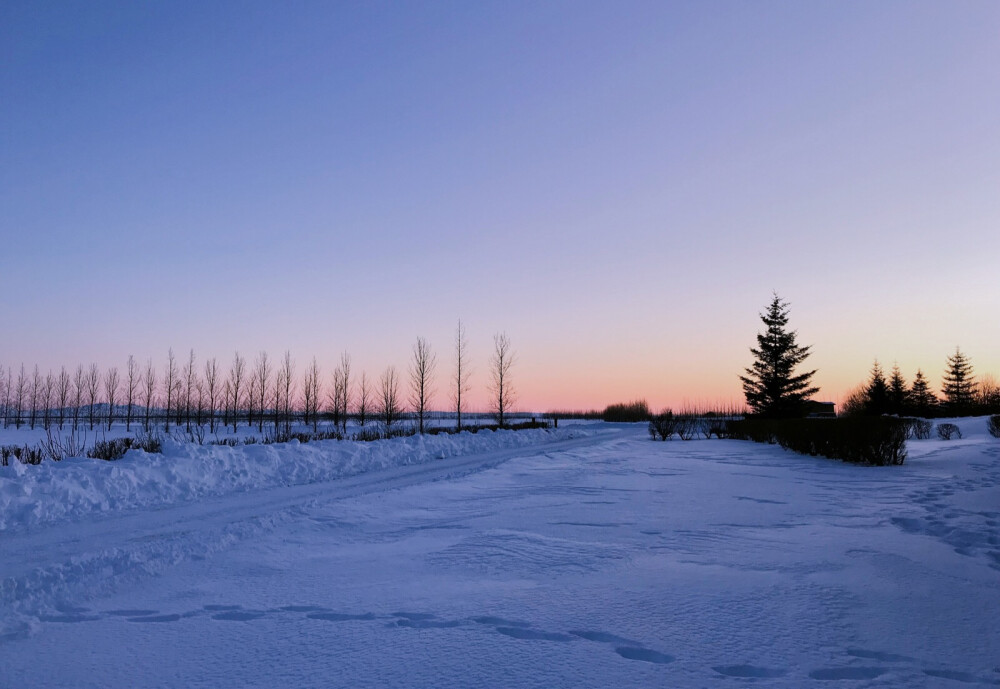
(605, 560)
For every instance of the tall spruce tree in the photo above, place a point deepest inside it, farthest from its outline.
(922, 400)
(877, 392)
(898, 394)
(771, 387)
(959, 384)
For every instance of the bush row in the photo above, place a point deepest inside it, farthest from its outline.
(874, 441)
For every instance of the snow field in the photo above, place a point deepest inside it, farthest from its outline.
(601, 560)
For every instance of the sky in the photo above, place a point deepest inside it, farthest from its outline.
(618, 187)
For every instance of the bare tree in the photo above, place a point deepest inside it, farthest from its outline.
(283, 390)
(310, 394)
(364, 405)
(262, 381)
(340, 396)
(111, 384)
(501, 388)
(237, 373)
(93, 387)
(34, 396)
(199, 388)
(62, 394)
(79, 386)
(169, 383)
(462, 373)
(8, 383)
(421, 387)
(227, 391)
(148, 392)
(388, 405)
(211, 390)
(131, 383)
(190, 383)
(48, 389)
(19, 393)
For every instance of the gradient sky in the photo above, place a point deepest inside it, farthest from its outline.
(618, 186)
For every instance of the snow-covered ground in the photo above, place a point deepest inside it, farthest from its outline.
(588, 557)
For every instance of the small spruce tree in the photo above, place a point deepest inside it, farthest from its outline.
(959, 384)
(771, 387)
(877, 392)
(898, 394)
(922, 400)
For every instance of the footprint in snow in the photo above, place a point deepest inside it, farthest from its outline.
(879, 655)
(532, 634)
(603, 637)
(68, 619)
(155, 618)
(749, 671)
(237, 616)
(847, 673)
(340, 616)
(127, 612)
(644, 654)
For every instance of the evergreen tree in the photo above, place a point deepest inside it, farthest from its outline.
(922, 400)
(959, 384)
(771, 388)
(898, 394)
(877, 392)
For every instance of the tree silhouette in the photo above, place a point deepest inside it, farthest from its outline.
(876, 392)
(770, 386)
(959, 384)
(501, 388)
(922, 399)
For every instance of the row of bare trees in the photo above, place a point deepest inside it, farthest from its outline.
(193, 395)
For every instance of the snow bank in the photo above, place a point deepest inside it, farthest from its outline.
(55, 491)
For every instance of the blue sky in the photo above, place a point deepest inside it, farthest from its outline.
(618, 186)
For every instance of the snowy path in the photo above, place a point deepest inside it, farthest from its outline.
(601, 561)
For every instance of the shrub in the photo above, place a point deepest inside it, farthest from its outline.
(630, 412)
(110, 450)
(947, 431)
(662, 426)
(875, 441)
(148, 442)
(686, 427)
(918, 428)
(993, 425)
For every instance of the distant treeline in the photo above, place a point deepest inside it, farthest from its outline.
(962, 394)
(259, 393)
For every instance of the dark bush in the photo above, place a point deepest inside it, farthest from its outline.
(993, 425)
(110, 450)
(630, 412)
(918, 428)
(686, 427)
(875, 441)
(947, 431)
(662, 426)
(148, 442)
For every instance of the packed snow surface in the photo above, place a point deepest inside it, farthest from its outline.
(591, 557)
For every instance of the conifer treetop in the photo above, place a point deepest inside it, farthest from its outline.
(771, 386)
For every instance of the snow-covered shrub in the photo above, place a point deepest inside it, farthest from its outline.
(24, 454)
(993, 425)
(947, 431)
